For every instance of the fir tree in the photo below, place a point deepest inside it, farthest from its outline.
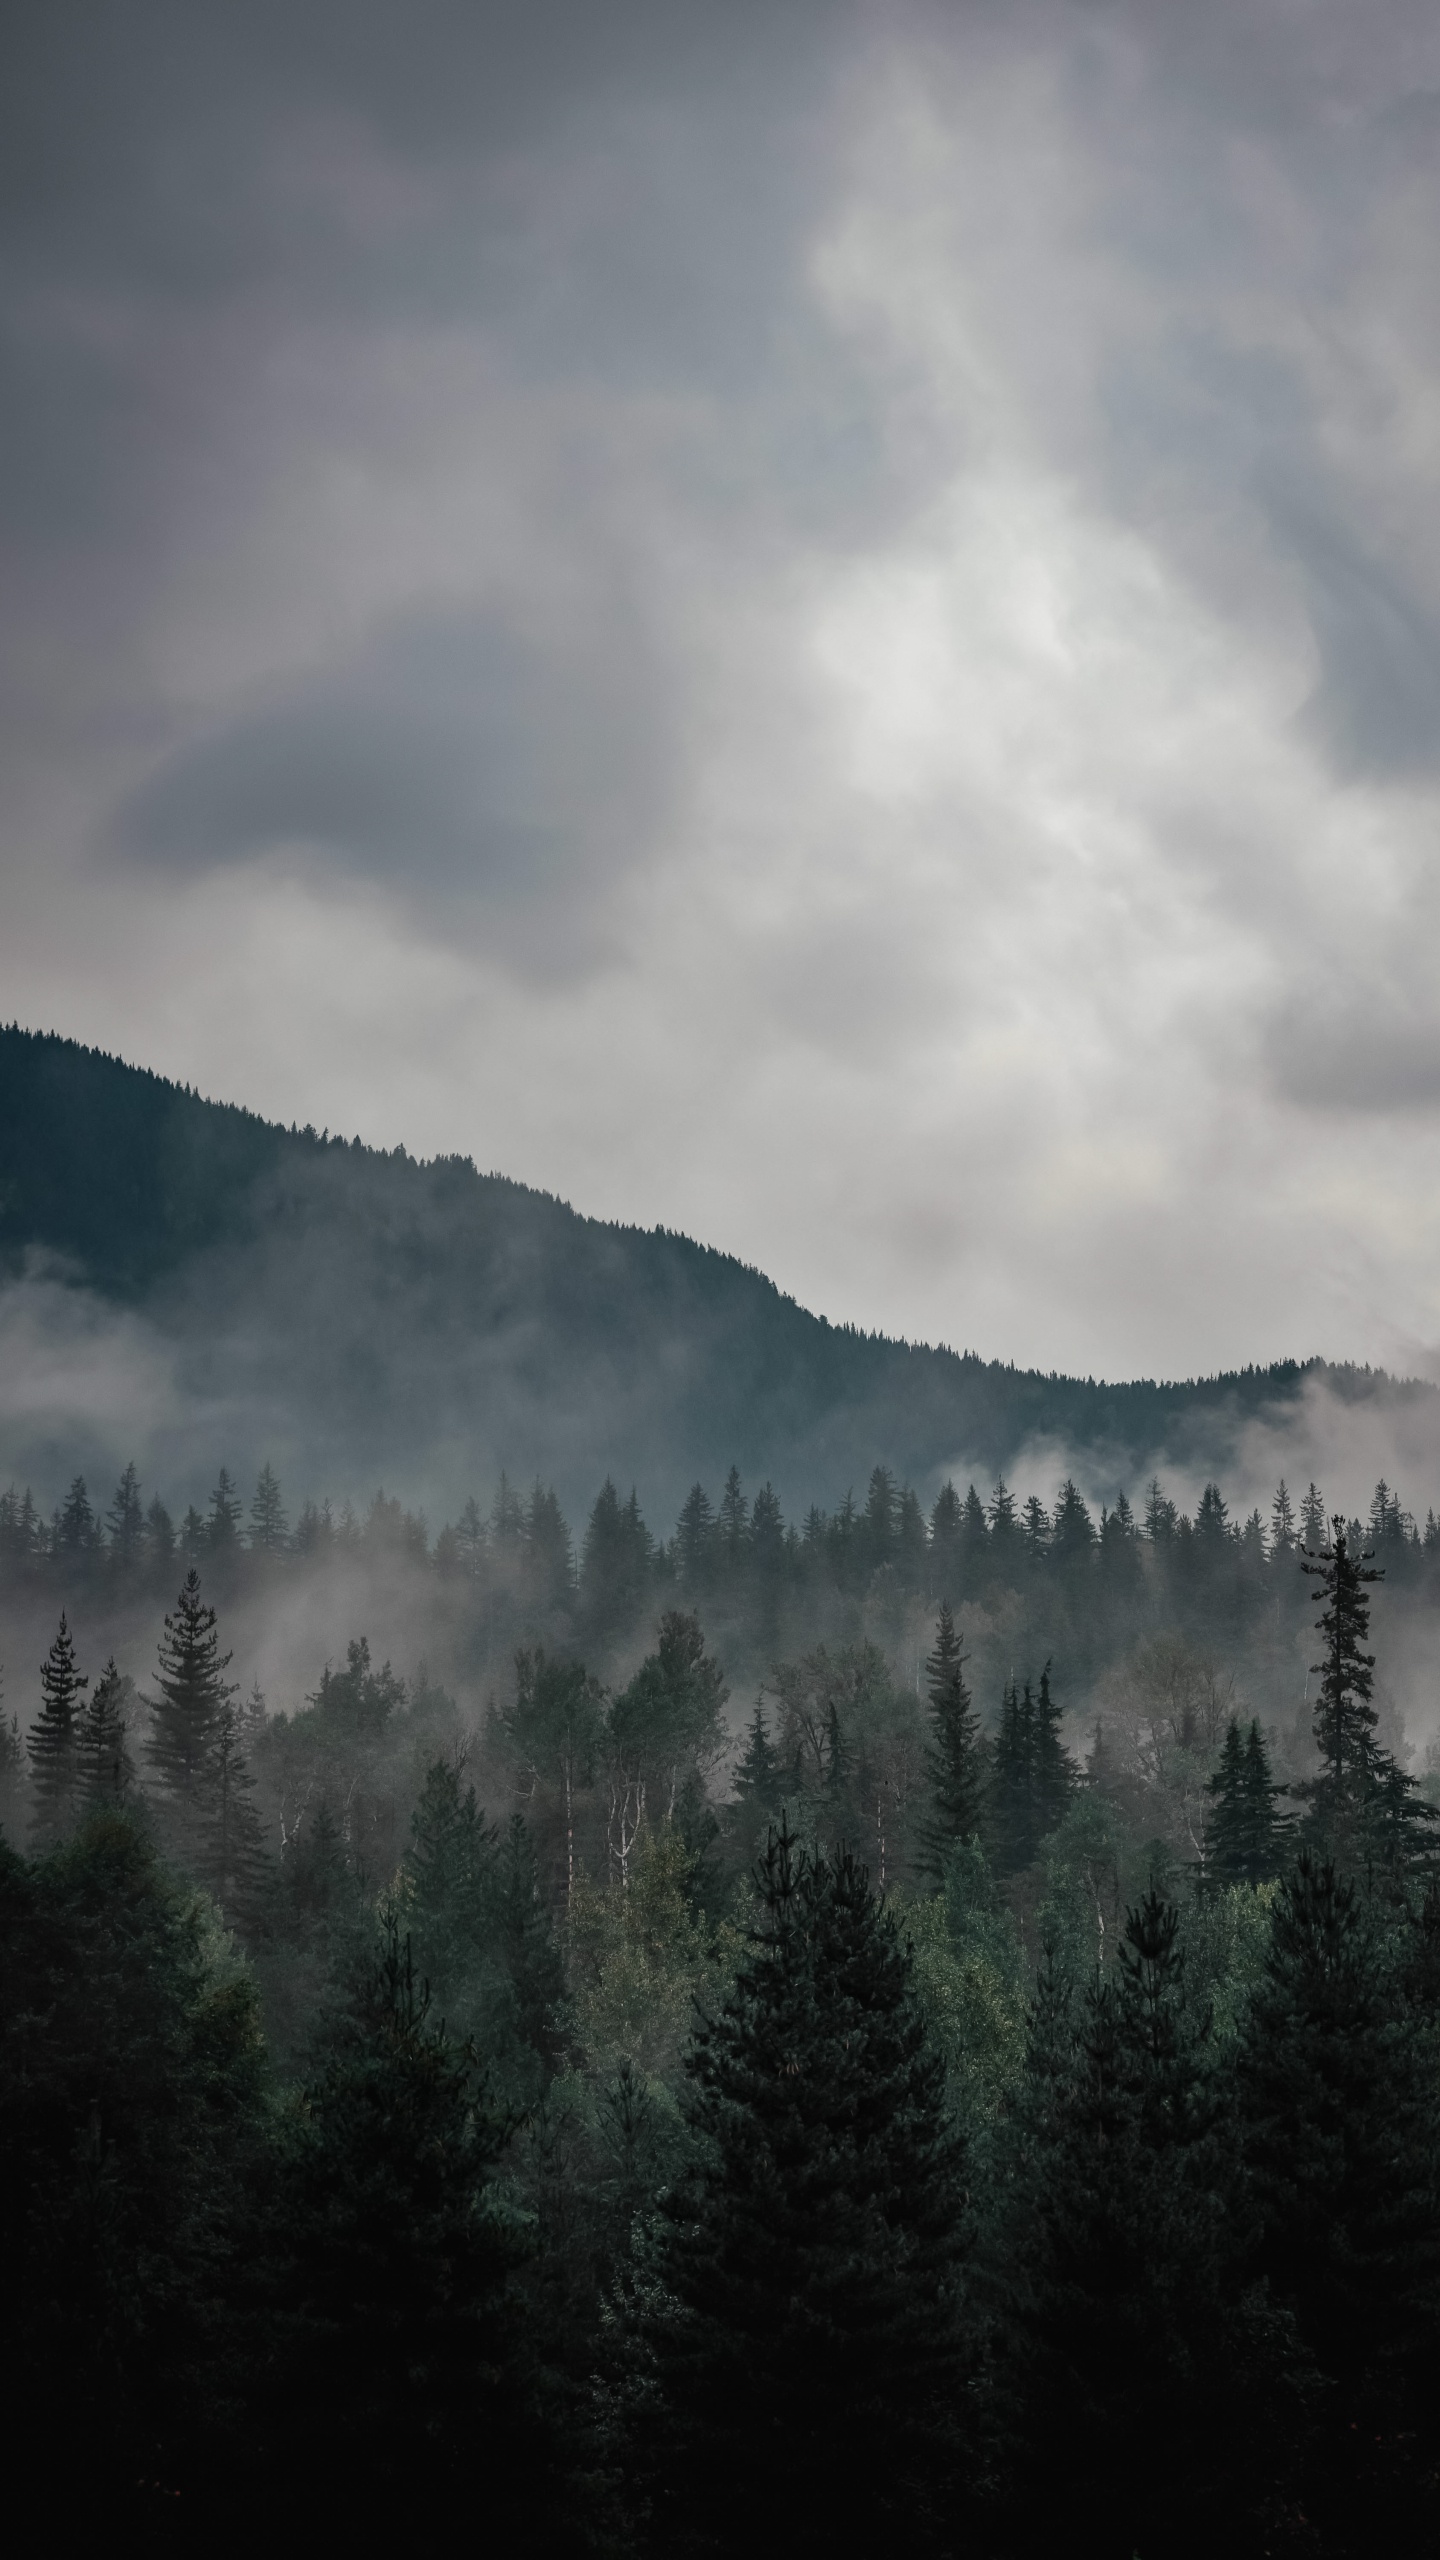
(185, 1715)
(125, 1521)
(946, 1560)
(1312, 1519)
(106, 1770)
(734, 1519)
(1282, 1526)
(159, 1536)
(222, 1529)
(1335, 2101)
(1363, 1806)
(269, 1527)
(54, 1743)
(807, 2327)
(1054, 1778)
(1148, 2388)
(76, 1531)
(695, 1538)
(954, 1764)
(757, 1777)
(231, 1855)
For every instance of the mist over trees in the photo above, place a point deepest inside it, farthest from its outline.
(931, 2012)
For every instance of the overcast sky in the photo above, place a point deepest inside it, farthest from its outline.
(818, 625)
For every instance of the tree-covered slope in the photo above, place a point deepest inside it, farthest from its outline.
(425, 1322)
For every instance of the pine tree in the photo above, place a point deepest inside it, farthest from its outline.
(1227, 1825)
(394, 2338)
(1037, 1529)
(1054, 1772)
(1010, 1818)
(695, 1539)
(1364, 1808)
(159, 1537)
(734, 1520)
(222, 1529)
(1334, 2094)
(807, 2324)
(55, 1738)
(105, 1768)
(946, 1561)
(125, 1522)
(269, 1527)
(76, 1531)
(1312, 1519)
(1148, 2389)
(185, 1716)
(757, 1777)
(1282, 1526)
(231, 1855)
(954, 1763)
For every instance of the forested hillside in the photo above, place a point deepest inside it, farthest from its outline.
(364, 1318)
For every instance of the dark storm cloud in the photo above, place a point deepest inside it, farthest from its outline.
(452, 757)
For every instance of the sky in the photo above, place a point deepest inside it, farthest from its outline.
(815, 624)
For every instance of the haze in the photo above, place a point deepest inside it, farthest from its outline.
(820, 626)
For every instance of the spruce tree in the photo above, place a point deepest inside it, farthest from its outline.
(1364, 1809)
(231, 1854)
(1333, 2088)
(269, 1527)
(125, 1522)
(192, 1694)
(954, 1764)
(757, 1776)
(106, 1770)
(806, 2330)
(54, 1743)
(222, 1529)
(1054, 1772)
(1009, 1813)
(1147, 2389)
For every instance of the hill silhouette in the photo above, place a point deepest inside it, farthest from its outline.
(422, 1323)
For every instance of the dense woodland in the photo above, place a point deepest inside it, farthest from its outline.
(979, 2081)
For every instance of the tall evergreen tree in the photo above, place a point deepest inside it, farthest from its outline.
(76, 1530)
(733, 1522)
(807, 2328)
(946, 1559)
(954, 1762)
(695, 1539)
(54, 1744)
(105, 1768)
(1334, 2094)
(1364, 1809)
(269, 1526)
(192, 1694)
(231, 1856)
(1149, 2391)
(757, 1776)
(125, 1522)
(222, 1529)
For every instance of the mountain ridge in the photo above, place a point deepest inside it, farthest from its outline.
(386, 1315)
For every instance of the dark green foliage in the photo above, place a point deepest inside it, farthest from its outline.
(1151, 2385)
(130, 2067)
(1363, 1808)
(104, 1767)
(269, 1527)
(54, 1744)
(1032, 1776)
(806, 2336)
(954, 1764)
(1243, 1837)
(125, 1523)
(230, 1855)
(1335, 2085)
(394, 2367)
(192, 1694)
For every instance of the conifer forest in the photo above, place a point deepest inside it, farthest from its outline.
(720, 1279)
(931, 2019)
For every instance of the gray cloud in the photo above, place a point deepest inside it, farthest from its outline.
(859, 589)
